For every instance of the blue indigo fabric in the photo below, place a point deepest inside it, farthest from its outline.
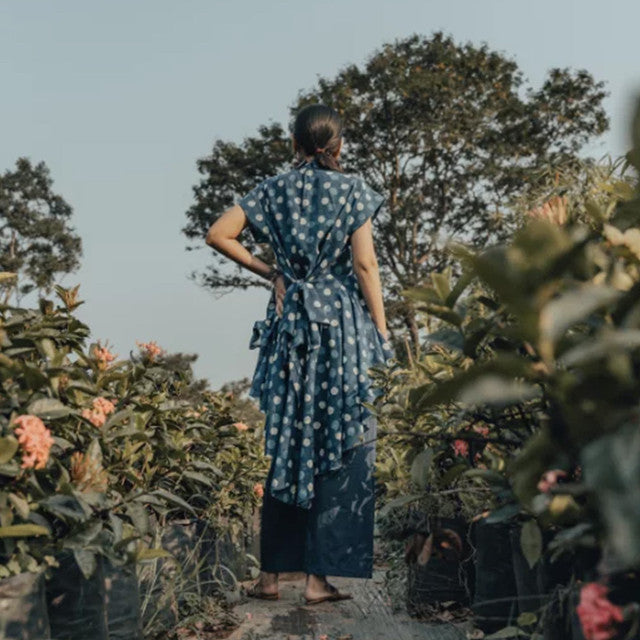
(312, 372)
(335, 536)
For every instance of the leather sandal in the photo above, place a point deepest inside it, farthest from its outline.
(255, 591)
(333, 596)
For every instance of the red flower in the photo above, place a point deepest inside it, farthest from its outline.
(461, 447)
(598, 615)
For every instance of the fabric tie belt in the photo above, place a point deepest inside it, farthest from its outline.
(307, 303)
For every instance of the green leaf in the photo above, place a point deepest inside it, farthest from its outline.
(174, 499)
(492, 478)
(152, 554)
(199, 477)
(420, 467)
(116, 418)
(527, 618)
(572, 307)
(8, 448)
(531, 542)
(398, 502)
(503, 514)
(507, 632)
(86, 561)
(430, 395)
(23, 531)
(595, 211)
(20, 505)
(444, 313)
(497, 391)
(611, 469)
(49, 408)
(64, 507)
(441, 285)
(139, 517)
(601, 346)
(463, 282)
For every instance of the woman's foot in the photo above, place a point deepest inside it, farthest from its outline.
(265, 587)
(319, 590)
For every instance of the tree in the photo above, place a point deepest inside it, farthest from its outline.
(36, 241)
(446, 131)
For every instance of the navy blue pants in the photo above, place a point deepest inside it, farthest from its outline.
(335, 536)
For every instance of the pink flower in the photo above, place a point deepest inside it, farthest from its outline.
(35, 441)
(482, 429)
(598, 615)
(241, 426)
(96, 418)
(104, 405)
(150, 350)
(97, 415)
(103, 356)
(258, 489)
(461, 447)
(550, 479)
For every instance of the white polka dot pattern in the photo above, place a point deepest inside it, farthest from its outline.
(312, 373)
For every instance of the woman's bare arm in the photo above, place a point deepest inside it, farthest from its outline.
(222, 236)
(365, 266)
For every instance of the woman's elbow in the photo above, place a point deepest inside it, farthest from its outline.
(213, 238)
(366, 265)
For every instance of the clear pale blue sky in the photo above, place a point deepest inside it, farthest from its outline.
(120, 98)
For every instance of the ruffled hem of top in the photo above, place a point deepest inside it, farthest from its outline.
(294, 485)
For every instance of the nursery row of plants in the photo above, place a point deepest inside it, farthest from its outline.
(510, 451)
(127, 488)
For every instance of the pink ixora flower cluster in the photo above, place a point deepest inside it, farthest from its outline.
(258, 490)
(461, 447)
(150, 350)
(241, 426)
(103, 356)
(34, 439)
(598, 615)
(99, 411)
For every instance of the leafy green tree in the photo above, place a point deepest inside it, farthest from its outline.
(448, 132)
(36, 241)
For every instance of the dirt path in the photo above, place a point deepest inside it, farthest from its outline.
(367, 617)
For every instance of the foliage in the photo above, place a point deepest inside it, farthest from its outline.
(539, 345)
(544, 352)
(132, 441)
(446, 131)
(36, 242)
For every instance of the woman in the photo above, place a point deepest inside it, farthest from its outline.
(325, 327)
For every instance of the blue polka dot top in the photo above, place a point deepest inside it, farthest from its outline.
(312, 372)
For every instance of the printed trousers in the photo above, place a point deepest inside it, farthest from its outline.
(335, 536)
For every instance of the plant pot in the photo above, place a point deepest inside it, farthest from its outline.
(530, 581)
(23, 608)
(202, 564)
(76, 604)
(438, 573)
(122, 601)
(495, 600)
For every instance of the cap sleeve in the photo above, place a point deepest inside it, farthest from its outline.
(365, 203)
(254, 205)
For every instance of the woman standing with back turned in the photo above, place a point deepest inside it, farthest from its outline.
(325, 327)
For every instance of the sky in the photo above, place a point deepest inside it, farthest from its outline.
(121, 98)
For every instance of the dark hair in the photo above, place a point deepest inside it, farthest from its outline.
(318, 130)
